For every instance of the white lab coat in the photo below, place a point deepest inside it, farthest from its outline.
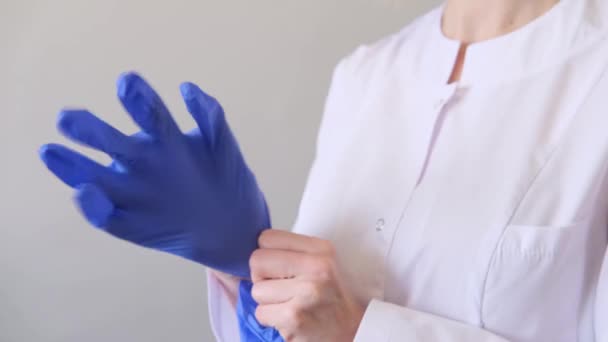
(476, 211)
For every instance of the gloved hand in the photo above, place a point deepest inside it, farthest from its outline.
(191, 194)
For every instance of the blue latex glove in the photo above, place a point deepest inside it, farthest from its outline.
(249, 327)
(190, 195)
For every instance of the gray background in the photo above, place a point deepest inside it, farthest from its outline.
(269, 63)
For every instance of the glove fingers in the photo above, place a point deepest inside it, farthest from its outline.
(85, 128)
(145, 107)
(100, 211)
(71, 167)
(206, 111)
(94, 204)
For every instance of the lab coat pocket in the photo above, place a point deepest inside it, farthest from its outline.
(529, 242)
(534, 280)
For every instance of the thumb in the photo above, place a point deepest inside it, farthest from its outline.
(94, 205)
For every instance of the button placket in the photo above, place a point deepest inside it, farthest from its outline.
(445, 96)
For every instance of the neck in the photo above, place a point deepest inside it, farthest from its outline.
(471, 21)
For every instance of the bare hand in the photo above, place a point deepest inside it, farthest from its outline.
(299, 289)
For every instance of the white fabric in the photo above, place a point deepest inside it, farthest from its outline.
(503, 235)
(222, 312)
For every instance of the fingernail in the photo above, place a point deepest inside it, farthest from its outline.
(186, 90)
(64, 121)
(54, 158)
(134, 92)
(46, 153)
(127, 84)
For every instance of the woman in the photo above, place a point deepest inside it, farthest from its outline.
(459, 190)
(462, 186)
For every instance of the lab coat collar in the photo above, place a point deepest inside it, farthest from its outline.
(548, 40)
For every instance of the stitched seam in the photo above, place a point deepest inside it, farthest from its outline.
(596, 279)
(500, 238)
(525, 194)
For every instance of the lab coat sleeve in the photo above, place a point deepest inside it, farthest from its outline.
(601, 304)
(222, 308)
(386, 322)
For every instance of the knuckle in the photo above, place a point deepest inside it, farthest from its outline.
(316, 264)
(328, 248)
(259, 314)
(294, 319)
(265, 236)
(256, 259)
(322, 268)
(256, 292)
(313, 291)
(293, 315)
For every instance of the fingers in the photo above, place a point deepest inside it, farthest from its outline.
(280, 239)
(71, 167)
(84, 127)
(273, 264)
(206, 111)
(279, 264)
(273, 315)
(289, 319)
(287, 304)
(145, 107)
(94, 204)
(275, 291)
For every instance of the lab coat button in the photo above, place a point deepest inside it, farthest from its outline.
(379, 225)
